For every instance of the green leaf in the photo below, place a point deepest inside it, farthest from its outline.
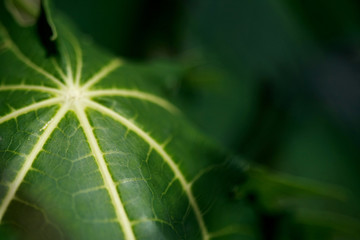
(90, 148)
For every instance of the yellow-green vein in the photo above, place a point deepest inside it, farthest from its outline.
(26, 61)
(161, 151)
(25, 87)
(108, 181)
(103, 72)
(135, 94)
(59, 70)
(30, 108)
(13, 186)
(78, 56)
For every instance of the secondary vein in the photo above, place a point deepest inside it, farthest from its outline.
(103, 72)
(160, 150)
(14, 186)
(28, 62)
(30, 88)
(30, 108)
(135, 94)
(108, 181)
(78, 55)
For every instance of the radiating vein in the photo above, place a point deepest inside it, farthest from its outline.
(30, 88)
(28, 62)
(108, 181)
(103, 72)
(78, 55)
(58, 69)
(135, 94)
(160, 150)
(14, 186)
(69, 72)
(30, 108)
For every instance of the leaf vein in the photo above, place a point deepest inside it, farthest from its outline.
(30, 108)
(103, 72)
(14, 186)
(160, 150)
(27, 61)
(108, 181)
(135, 94)
(30, 87)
